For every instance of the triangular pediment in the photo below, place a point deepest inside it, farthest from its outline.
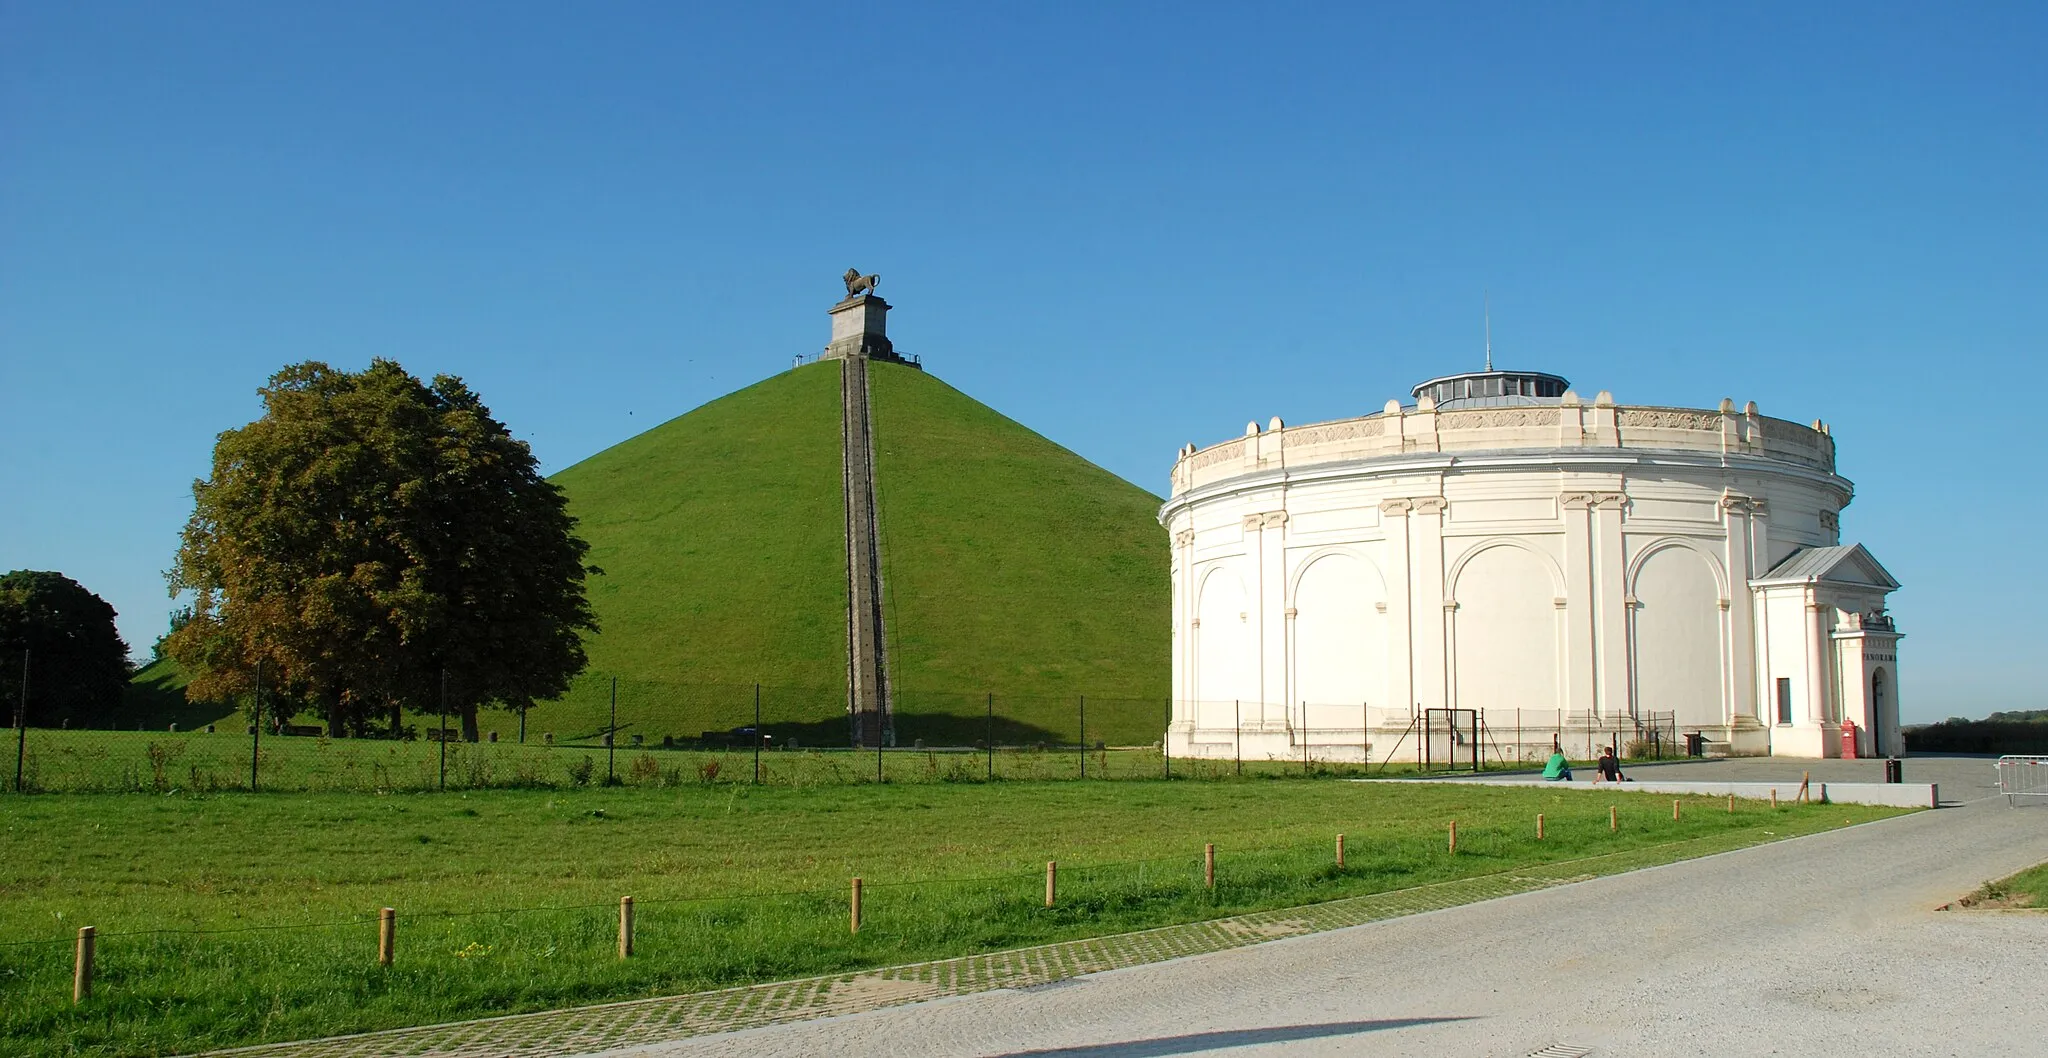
(1842, 564)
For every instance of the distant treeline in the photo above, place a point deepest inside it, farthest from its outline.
(2021, 731)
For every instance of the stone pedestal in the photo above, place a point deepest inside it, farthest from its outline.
(860, 328)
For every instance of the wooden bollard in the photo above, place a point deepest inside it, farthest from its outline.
(1454, 837)
(1052, 880)
(1774, 797)
(856, 905)
(1340, 852)
(1209, 866)
(81, 970)
(387, 935)
(1613, 818)
(1805, 781)
(625, 927)
(1539, 826)
(1731, 804)
(1674, 811)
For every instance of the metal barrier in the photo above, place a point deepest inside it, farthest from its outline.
(2021, 775)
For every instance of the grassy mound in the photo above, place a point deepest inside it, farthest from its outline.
(720, 536)
(1012, 567)
(155, 699)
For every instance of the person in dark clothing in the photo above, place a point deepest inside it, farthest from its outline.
(1610, 768)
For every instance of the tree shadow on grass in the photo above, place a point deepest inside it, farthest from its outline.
(1197, 1042)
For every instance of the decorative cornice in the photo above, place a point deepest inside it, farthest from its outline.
(1184, 538)
(1400, 507)
(1831, 520)
(1431, 505)
(1274, 519)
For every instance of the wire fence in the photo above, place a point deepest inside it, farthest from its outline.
(639, 732)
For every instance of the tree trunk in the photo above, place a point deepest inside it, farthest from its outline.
(469, 728)
(397, 720)
(335, 721)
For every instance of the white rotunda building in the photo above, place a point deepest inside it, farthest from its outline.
(1503, 565)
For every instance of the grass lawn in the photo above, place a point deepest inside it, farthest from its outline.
(2027, 889)
(507, 899)
(203, 762)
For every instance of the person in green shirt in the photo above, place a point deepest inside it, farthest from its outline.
(1557, 769)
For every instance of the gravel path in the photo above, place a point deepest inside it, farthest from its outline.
(1827, 945)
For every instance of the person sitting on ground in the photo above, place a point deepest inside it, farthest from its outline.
(1557, 769)
(1610, 768)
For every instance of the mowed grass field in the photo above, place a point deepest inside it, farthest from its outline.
(234, 919)
(202, 762)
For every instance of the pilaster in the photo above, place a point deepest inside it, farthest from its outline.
(1182, 574)
(1610, 646)
(1267, 533)
(1400, 606)
(1426, 527)
(1738, 558)
(1817, 641)
(1581, 667)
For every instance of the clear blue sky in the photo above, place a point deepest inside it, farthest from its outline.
(1126, 226)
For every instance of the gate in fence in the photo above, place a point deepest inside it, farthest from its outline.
(1450, 739)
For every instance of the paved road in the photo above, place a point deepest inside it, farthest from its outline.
(1823, 946)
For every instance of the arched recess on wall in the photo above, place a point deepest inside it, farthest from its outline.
(1224, 655)
(1505, 635)
(1884, 713)
(1338, 646)
(1676, 630)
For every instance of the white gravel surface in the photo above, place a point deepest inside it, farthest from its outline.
(1822, 946)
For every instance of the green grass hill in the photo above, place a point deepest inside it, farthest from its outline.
(1011, 567)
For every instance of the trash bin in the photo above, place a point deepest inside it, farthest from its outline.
(1695, 744)
(1893, 770)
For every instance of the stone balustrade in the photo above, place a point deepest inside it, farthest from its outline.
(1571, 424)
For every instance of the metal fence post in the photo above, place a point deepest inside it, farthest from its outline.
(758, 736)
(21, 724)
(1166, 739)
(991, 736)
(1237, 733)
(611, 737)
(256, 729)
(1084, 736)
(444, 728)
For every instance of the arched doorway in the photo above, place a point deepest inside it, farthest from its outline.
(1881, 720)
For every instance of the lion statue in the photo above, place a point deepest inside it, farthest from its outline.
(860, 284)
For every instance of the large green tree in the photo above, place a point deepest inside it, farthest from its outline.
(373, 539)
(77, 665)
